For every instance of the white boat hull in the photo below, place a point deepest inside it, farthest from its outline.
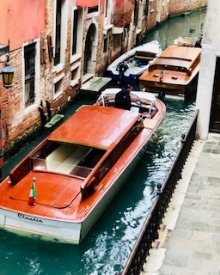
(134, 70)
(63, 231)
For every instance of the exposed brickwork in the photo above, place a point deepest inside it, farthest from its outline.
(17, 120)
(121, 20)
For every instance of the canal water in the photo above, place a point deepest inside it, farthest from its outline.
(186, 25)
(108, 245)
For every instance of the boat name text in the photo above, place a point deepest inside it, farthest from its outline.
(160, 85)
(25, 217)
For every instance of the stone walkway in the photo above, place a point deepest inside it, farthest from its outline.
(189, 238)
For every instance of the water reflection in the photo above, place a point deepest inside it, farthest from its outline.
(186, 25)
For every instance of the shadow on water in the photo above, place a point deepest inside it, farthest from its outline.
(107, 246)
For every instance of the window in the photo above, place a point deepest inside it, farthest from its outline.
(75, 73)
(151, 5)
(105, 46)
(58, 86)
(136, 12)
(116, 41)
(106, 8)
(74, 32)
(77, 17)
(29, 71)
(58, 34)
(93, 9)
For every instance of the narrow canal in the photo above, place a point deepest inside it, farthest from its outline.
(108, 245)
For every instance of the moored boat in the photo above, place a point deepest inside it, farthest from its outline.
(130, 65)
(61, 187)
(175, 72)
(187, 41)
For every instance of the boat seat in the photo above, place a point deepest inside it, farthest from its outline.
(144, 57)
(65, 157)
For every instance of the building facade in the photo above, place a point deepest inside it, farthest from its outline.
(208, 93)
(58, 45)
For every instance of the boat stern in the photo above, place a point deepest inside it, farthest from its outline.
(45, 229)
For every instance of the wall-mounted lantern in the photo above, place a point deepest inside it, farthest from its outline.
(6, 71)
(7, 75)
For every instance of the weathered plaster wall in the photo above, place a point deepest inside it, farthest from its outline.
(180, 6)
(21, 21)
(122, 14)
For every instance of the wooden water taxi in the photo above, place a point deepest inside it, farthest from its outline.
(175, 72)
(59, 190)
(130, 65)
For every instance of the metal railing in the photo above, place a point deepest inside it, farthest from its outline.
(149, 232)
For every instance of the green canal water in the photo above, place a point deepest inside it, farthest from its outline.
(108, 245)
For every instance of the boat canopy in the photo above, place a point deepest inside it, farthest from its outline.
(174, 51)
(177, 58)
(95, 126)
(172, 63)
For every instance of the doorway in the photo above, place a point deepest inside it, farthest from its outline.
(90, 49)
(214, 125)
